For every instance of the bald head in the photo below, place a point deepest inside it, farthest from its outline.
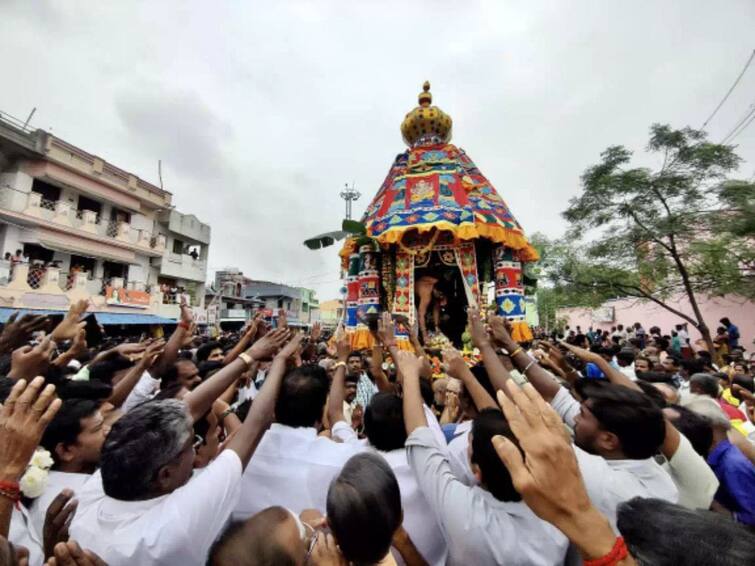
(269, 538)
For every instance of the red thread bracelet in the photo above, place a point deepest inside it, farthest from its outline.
(11, 490)
(9, 485)
(618, 553)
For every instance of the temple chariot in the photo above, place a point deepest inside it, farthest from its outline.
(434, 234)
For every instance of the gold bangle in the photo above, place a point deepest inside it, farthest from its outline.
(247, 359)
(516, 351)
(338, 365)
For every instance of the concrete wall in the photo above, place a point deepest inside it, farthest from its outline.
(11, 239)
(628, 311)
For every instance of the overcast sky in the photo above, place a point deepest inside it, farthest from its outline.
(261, 111)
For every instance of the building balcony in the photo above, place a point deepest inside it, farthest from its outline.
(181, 266)
(47, 288)
(187, 226)
(34, 209)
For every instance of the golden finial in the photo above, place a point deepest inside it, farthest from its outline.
(426, 124)
(425, 98)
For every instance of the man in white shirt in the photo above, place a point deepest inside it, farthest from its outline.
(485, 524)
(293, 466)
(617, 431)
(74, 439)
(143, 506)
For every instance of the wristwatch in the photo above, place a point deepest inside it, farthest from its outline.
(338, 365)
(247, 359)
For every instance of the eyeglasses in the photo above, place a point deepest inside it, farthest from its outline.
(308, 535)
(198, 442)
(313, 534)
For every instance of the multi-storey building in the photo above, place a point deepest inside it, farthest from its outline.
(301, 305)
(235, 298)
(331, 313)
(226, 301)
(87, 229)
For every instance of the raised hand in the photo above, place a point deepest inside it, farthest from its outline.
(153, 351)
(79, 344)
(501, 331)
(557, 357)
(292, 347)
(452, 407)
(408, 364)
(58, 519)
(28, 362)
(453, 364)
(189, 337)
(547, 478)
(581, 353)
(343, 347)
(131, 348)
(316, 332)
(70, 325)
(17, 333)
(547, 475)
(266, 347)
(357, 417)
(23, 418)
(386, 332)
(282, 319)
(187, 315)
(70, 554)
(477, 328)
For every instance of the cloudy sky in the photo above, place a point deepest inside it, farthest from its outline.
(261, 111)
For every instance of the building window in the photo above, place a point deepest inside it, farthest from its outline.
(111, 269)
(178, 246)
(48, 191)
(88, 204)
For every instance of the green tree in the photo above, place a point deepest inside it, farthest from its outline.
(683, 227)
(555, 288)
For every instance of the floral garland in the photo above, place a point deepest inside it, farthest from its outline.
(34, 481)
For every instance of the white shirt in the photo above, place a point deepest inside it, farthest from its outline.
(143, 391)
(293, 468)
(56, 482)
(628, 371)
(610, 482)
(480, 530)
(458, 454)
(696, 482)
(424, 531)
(20, 535)
(683, 336)
(177, 528)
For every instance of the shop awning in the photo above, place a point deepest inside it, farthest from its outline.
(5, 313)
(128, 318)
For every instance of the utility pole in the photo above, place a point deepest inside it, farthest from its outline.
(349, 194)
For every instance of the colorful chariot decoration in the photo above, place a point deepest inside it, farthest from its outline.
(434, 239)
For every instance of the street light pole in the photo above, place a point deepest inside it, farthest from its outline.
(349, 194)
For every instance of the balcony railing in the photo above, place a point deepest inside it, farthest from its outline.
(62, 213)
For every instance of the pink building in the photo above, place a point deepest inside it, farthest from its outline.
(740, 311)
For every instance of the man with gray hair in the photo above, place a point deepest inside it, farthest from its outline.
(704, 384)
(144, 506)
